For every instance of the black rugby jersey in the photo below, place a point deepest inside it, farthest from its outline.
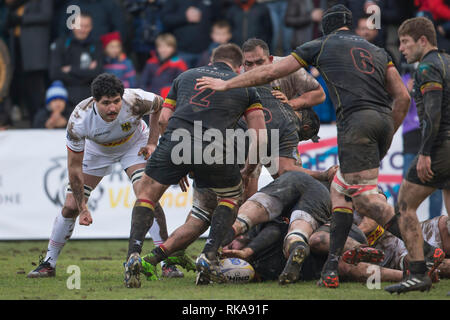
(353, 68)
(215, 109)
(433, 75)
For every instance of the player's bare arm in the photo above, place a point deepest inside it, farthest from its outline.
(256, 121)
(74, 166)
(399, 93)
(308, 99)
(164, 117)
(258, 76)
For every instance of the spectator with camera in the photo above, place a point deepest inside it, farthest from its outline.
(76, 60)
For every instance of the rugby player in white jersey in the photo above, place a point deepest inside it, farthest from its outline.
(102, 130)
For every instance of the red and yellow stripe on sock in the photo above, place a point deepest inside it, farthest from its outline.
(430, 86)
(343, 210)
(145, 203)
(227, 203)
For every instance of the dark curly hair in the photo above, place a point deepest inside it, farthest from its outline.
(106, 85)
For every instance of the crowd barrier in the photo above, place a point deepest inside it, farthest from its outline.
(33, 177)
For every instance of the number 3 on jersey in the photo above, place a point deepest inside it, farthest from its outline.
(201, 97)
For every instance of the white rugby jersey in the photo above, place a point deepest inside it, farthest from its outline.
(87, 128)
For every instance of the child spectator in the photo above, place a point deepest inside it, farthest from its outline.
(55, 115)
(220, 34)
(116, 62)
(163, 66)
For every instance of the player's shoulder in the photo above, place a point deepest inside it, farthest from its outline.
(82, 110)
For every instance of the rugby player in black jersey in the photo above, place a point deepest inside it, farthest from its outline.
(188, 108)
(371, 103)
(430, 170)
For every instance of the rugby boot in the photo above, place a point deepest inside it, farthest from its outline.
(291, 272)
(210, 268)
(132, 271)
(148, 269)
(329, 279)
(414, 282)
(363, 254)
(182, 259)
(171, 271)
(44, 270)
(201, 280)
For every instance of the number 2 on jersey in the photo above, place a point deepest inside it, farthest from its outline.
(201, 97)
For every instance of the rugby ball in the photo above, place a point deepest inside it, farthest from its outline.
(237, 270)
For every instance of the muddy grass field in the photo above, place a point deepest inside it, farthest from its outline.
(100, 263)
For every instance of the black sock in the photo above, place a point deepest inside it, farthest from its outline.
(341, 223)
(221, 222)
(141, 221)
(417, 267)
(393, 227)
(158, 256)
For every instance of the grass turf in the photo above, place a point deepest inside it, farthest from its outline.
(100, 262)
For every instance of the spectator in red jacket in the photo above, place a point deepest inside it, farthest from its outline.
(163, 66)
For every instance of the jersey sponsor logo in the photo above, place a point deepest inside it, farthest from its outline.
(55, 183)
(118, 142)
(126, 126)
(362, 60)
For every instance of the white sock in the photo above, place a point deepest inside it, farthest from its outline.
(156, 237)
(62, 230)
(154, 233)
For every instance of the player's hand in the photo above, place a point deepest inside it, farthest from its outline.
(280, 96)
(85, 218)
(211, 83)
(331, 172)
(147, 151)
(423, 167)
(184, 184)
(241, 254)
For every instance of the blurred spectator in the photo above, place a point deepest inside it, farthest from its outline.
(249, 19)
(305, 17)
(147, 25)
(163, 66)
(277, 9)
(55, 114)
(3, 18)
(325, 110)
(437, 11)
(393, 13)
(190, 21)
(29, 35)
(412, 136)
(220, 34)
(107, 16)
(366, 30)
(76, 60)
(5, 80)
(356, 7)
(116, 62)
